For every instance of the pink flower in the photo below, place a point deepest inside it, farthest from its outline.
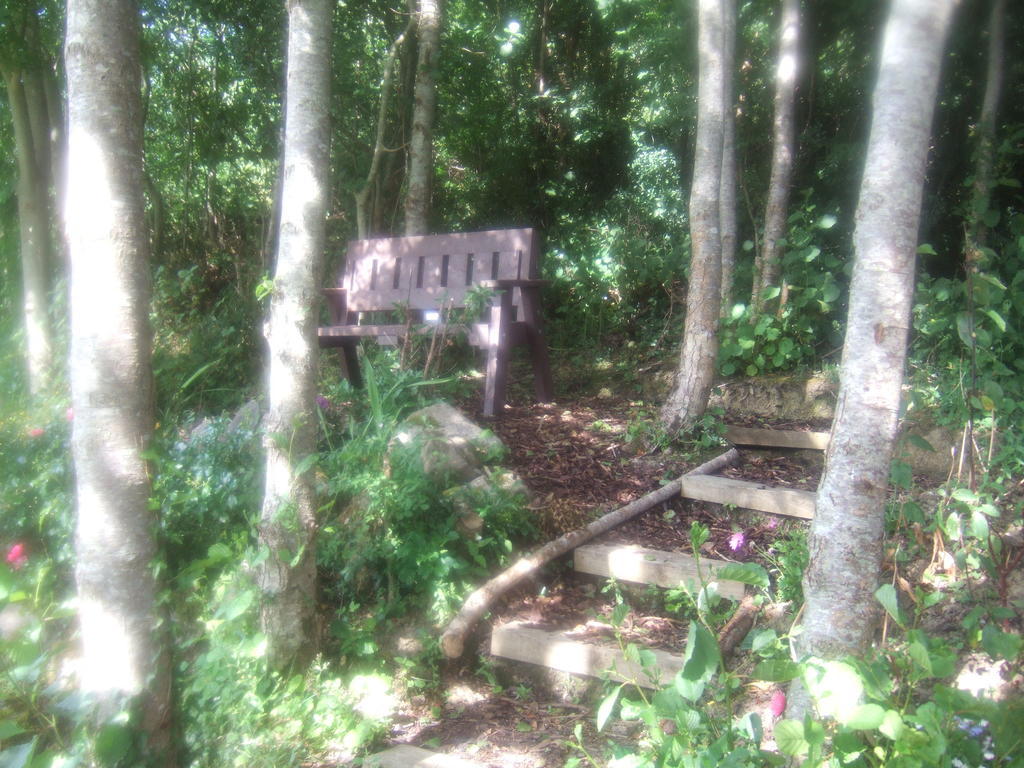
(69, 414)
(36, 432)
(16, 556)
(773, 523)
(737, 540)
(778, 703)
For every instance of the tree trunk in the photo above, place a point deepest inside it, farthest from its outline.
(36, 241)
(687, 403)
(421, 155)
(366, 198)
(985, 151)
(846, 535)
(727, 194)
(768, 269)
(287, 526)
(124, 653)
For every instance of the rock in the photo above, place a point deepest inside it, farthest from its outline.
(789, 397)
(452, 449)
(247, 418)
(493, 487)
(934, 463)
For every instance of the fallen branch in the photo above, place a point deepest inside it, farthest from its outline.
(738, 627)
(476, 605)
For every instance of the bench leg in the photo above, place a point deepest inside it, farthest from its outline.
(497, 354)
(542, 384)
(350, 363)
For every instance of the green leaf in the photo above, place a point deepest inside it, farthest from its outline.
(979, 525)
(966, 495)
(999, 644)
(18, 756)
(745, 573)
(702, 654)
(789, 737)
(892, 725)
(866, 717)
(886, 595)
(900, 474)
(920, 443)
(926, 249)
(9, 728)
(776, 671)
(827, 221)
(996, 318)
(965, 328)
(112, 743)
(771, 292)
(604, 712)
(238, 605)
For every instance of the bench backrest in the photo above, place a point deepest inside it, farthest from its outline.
(422, 271)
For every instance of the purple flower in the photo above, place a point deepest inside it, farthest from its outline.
(323, 403)
(737, 540)
(773, 523)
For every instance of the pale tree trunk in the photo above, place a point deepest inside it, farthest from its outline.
(727, 193)
(768, 268)
(124, 653)
(846, 539)
(985, 151)
(421, 143)
(36, 240)
(689, 399)
(287, 526)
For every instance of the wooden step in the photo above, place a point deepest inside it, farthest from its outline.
(777, 438)
(628, 562)
(405, 756)
(558, 651)
(743, 493)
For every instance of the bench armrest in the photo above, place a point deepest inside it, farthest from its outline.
(337, 304)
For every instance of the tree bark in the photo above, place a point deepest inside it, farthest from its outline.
(36, 241)
(727, 194)
(689, 399)
(287, 526)
(985, 152)
(454, 638)
(124, 649)
(768, 268)
(846, 535)
(421, 155)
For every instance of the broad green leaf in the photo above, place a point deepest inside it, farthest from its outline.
(965, 495)
(979, 525)
(999, 644)
(900, 474)
(886, 595)
(996, 318)
(866, 717)
(920, 443)
(892, 725)
(776, 670)
(604, 712)
(702, 654)
(771, 292)
(8, 729)
(926, 249)
(112, 743)
(238, 605)
(789, 737)
(745, 573)
(965, 328)
(835, 686)
(827, 221)
(919, 653)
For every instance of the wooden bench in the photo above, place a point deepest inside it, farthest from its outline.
(415, 276)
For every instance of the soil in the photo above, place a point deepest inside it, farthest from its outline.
(580, 460)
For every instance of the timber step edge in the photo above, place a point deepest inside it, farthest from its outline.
(406, 756)
(777, 438)
(556, 650)
(629, 562)
(749, 495)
